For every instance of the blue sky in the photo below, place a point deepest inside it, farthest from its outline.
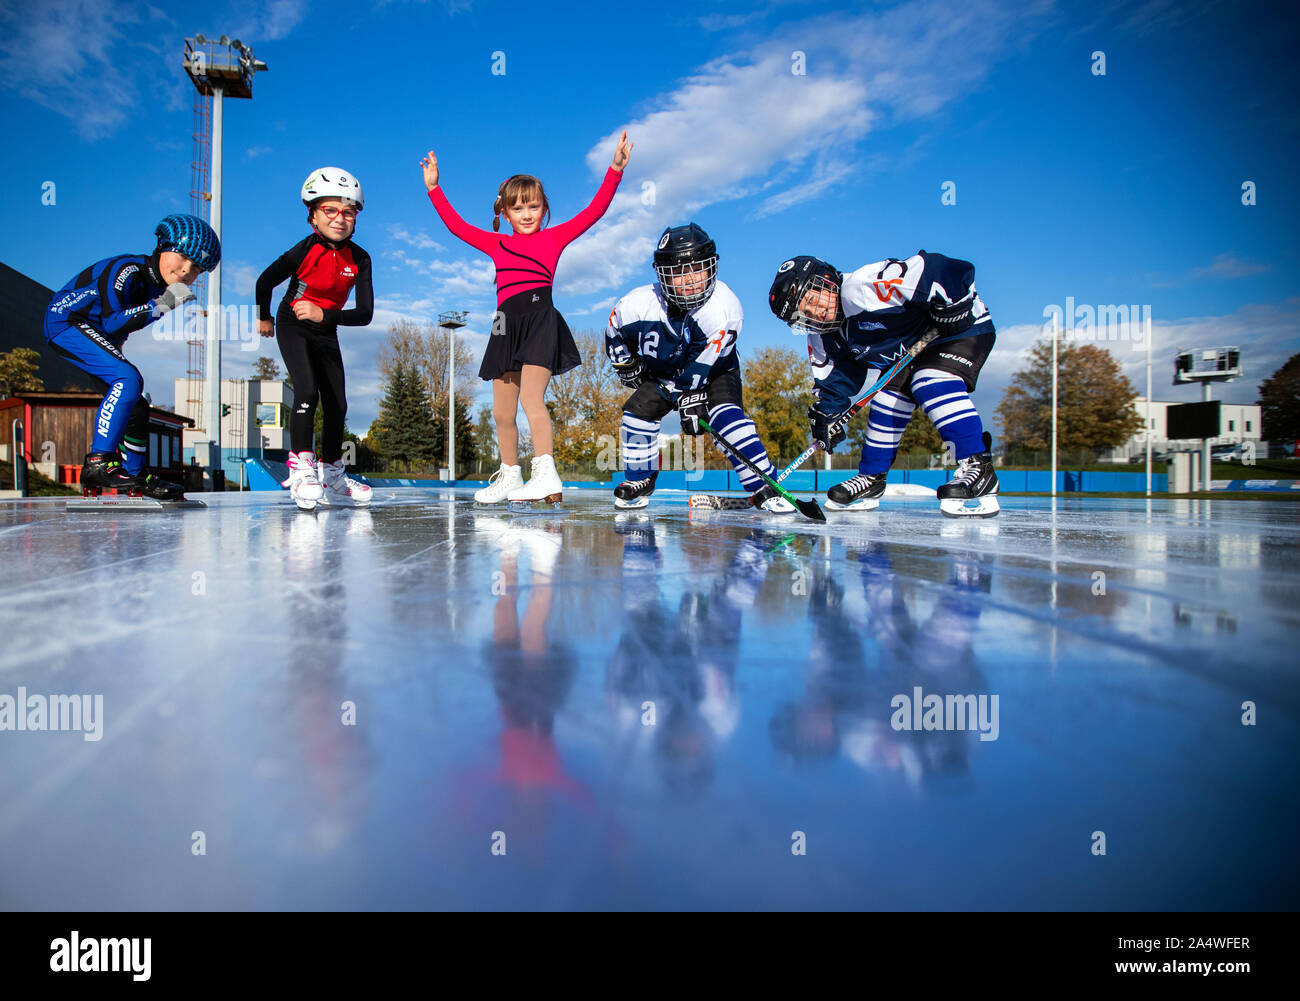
(1122, 189)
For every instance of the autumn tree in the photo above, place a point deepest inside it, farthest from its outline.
(1094, 400)
(19, 369)
(920, 435)
(1279, 401)
(586, 403)
(485, 435)
(778, 393)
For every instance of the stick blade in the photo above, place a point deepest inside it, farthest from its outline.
(809, 509)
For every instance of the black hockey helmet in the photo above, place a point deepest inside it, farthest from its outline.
(682, 250)
(794, 279)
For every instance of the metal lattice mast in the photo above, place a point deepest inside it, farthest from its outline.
(200, 181)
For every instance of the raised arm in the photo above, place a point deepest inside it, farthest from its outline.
(479, 239)
(584, 220)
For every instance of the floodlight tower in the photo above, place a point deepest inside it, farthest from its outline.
(1207, 365)
(451, 321)
(217, 68)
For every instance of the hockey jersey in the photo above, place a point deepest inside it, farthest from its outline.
(886, 310)
(679, 351)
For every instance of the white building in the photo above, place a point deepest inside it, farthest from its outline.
(1238, 421)
(255, 415)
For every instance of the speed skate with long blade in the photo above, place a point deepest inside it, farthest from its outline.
(94, 501)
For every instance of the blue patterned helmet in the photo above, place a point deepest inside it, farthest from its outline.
(191, 236)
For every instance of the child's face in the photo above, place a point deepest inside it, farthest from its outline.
(525, 216)
(821, 304)
(334, 219)
(176, 267)
(691, 281)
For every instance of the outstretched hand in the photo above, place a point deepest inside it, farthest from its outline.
(430, 165)
(623, 153)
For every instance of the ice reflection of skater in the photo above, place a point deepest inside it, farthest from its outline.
(532, 676)
(337, 756)
(846, 704)
(683, 660)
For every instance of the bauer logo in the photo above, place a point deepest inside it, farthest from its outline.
(785, 267)
(663, 241)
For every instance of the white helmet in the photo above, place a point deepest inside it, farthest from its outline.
(332, 182)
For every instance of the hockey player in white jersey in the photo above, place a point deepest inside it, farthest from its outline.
(867, 320)
(674, 343)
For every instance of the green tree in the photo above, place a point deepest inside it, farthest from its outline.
(485, 436)
(1279, 401)
(20, 369)
(265, 369)
(1094, 400)
(403, 429)
(920, 435)
(778, 393)
(466, 446)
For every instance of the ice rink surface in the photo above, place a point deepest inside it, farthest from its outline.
(653, 709)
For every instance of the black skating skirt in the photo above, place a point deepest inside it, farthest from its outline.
(529, 330)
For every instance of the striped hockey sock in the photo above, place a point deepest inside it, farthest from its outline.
(730, 422)
(949, 407)
(886, 421)
(640, 446)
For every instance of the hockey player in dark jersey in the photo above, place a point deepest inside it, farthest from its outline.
(674, 343)
(88, 322)
(323, 270)
(867, 320)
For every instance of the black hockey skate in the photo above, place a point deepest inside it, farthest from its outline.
(973, 490)
(103, 471)
(766, 498)
(862, 493)
(635, 493)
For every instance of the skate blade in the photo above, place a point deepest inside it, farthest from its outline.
(970, 507)
(534, 507)
(866, 504)
(631, 505)
(708, 502)
(113, 502)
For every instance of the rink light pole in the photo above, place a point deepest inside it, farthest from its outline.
(217, 68)
(1055, 338)
(1149, 429)
(451, 321)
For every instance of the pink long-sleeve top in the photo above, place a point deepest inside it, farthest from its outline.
(527, 262)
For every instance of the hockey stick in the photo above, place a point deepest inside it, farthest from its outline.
(883, 381)
(808, 508)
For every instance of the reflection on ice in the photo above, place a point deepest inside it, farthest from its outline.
(427, 704)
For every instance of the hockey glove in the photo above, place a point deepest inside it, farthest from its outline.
(953, 317)
(827, 429)
(175, 294)
(693, 407)
(630, 373)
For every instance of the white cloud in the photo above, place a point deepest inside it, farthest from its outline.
(754, 125)
(1229, 266)
(276, 19)
(253, 152)
(420, 240)
(1267, 335)
(239, 277)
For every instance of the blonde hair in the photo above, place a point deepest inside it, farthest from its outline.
(520, 187)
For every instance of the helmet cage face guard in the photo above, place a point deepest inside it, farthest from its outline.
(667, 272)
(806, 323)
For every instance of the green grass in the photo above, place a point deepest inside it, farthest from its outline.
(37, 485)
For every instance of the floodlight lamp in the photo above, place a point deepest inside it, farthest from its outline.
(237, 44)
(225, 40)
(200, 39)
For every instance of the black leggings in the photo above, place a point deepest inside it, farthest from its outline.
(315, 364)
